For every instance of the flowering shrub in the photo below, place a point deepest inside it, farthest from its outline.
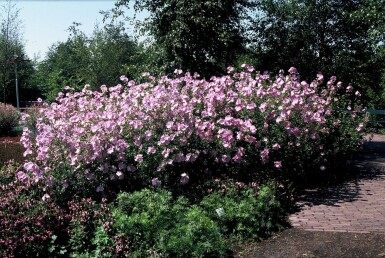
(9, 119)
(26, 221)
(33, 115)
(180, 131)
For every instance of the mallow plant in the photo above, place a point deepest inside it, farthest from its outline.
(181, 131)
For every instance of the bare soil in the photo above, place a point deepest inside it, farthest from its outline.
(10, 148)
(295, 243)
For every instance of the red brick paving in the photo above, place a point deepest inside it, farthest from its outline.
(357, 206)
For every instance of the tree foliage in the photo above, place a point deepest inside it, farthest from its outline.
(10, 45)
(97, 59)
(337, 37)
(198, 36)
(372, 12)
(317, 36)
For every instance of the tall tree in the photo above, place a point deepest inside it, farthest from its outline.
(10, 45)
(372, 12)
(199, 36)
(96, 59)
(316, 35)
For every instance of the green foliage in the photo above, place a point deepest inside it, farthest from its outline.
(88, 229)
(244, 212)
(95, 60)
(155, 224)
(140, 216)
(9, 120)
(196, 36)
(194, 235)
(11, 44)
(319, 36)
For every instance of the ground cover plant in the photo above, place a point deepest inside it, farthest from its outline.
(134, 166)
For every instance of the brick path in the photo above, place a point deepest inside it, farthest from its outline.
(356, 206)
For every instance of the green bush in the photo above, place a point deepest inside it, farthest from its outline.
(154, 224)
(9, 120)
(244, 212)
(89, 229)
(194, 235)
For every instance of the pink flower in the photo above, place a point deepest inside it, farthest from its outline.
(278, 164)
(360, 127)
(262, 107)
(123, 78)
(178, 71)
(320, 77)
(151, 150)
(276, 146)
(120, 174)
(292, 70)
(225, 158)
(156, 182)
(250, 139)
(139, 158)
(264, 155)
(184, 178)
(46, 198)
(23, 177)
(230, 69)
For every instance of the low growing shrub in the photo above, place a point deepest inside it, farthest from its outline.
(245, 212)
(27, 222)
(153, 224)
(89, 229)
(194, 235)
(9, 120)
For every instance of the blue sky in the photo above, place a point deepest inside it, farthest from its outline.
(46, 22)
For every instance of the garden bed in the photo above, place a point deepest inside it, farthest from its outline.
(11, 148)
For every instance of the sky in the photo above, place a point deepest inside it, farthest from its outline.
(45, 22)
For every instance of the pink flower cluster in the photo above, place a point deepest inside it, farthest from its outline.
(133, 128)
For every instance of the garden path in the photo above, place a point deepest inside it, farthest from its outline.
(356, 206)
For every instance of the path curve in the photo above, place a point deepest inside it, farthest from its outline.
(355, 206)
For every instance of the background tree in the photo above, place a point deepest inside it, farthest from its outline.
(372, 12)
(10, 45)
(317, 36)
(201, 36)
(97, 59)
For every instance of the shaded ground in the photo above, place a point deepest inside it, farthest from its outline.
(10, 148)
(296, 242)
(341, 221)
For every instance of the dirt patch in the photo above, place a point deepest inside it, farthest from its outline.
(293, 243)
(9, 139)
(11, 148)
